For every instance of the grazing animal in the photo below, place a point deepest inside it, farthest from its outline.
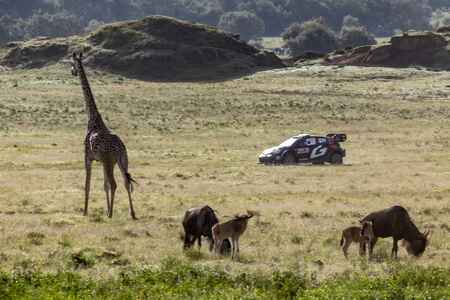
(101, 145)
(355, 234)
(231, 229)
(198, 222)
(395, 222)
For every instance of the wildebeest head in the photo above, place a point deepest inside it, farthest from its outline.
(417, 247)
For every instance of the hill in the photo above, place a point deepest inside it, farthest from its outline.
(426, 49)
(156, 47)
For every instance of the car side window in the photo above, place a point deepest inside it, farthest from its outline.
(321, 140)
(310, 141)
(299, 144)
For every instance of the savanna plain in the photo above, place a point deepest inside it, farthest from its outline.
(191, 144)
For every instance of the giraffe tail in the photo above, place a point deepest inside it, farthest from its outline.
(130, 180)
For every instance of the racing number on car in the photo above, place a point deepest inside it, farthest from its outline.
(318, 151)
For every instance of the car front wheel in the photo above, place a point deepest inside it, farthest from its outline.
(336, 159)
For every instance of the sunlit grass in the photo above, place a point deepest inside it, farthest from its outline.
(197, 143)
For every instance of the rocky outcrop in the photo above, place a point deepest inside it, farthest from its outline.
(425, 49)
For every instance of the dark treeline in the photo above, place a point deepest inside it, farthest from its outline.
(23, 19)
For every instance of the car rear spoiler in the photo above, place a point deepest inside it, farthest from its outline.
(337, 137)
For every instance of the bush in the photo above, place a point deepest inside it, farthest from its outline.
(57, 25)
(310, 36)
(247, 24)
(440, 18)
(350, 21)
(356, 36)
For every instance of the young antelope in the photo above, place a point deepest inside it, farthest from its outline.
(354, 234)
(231, 229)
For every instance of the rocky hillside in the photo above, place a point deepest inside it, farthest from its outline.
(425, 49)
(156, 47)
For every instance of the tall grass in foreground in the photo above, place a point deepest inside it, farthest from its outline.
(175, 280)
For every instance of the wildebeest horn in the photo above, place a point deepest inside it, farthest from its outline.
(426, 233)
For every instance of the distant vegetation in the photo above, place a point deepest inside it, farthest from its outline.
(316, 36)
(23, 20)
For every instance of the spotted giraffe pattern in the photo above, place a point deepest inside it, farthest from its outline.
(102, 145)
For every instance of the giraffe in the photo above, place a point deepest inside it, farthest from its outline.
(101, 145)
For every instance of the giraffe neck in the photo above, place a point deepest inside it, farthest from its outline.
(95, 120)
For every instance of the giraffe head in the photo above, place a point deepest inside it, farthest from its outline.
(76, 62)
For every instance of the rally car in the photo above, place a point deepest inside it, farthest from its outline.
(307, 148)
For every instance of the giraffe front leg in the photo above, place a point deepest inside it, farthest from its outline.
(87, 186)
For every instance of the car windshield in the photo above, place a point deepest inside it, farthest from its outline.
(289, 142)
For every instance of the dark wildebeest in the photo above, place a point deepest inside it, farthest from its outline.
(197, 222)
(395, 222)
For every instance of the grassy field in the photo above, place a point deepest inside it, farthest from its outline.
(197, 143)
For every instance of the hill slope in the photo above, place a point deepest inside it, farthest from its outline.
(155, 47)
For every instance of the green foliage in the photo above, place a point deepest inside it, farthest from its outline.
(247, 24)
(378, 16)
(440, 18)
(310, 36)
(84, 258)
(53, 25)
(176, 280)
(354, 36)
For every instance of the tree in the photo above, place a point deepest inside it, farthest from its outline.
(354, 36)
(350, 21)
(60, 24)
(247, 24)
(274, 16)
(440, 18)
(310, 36)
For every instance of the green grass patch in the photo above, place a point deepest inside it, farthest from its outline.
(176, 280)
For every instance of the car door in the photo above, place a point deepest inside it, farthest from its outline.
(318, 148)
(302, 151)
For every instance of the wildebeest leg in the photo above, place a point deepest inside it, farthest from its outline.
(217, 246)
(233, 244)
(394, 248)
(199, 242)
(211, 244)
(362, 247)
(187, 241)
(372, 243)
(237, 247)
(347, 244)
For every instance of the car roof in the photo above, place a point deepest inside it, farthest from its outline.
(299, 136)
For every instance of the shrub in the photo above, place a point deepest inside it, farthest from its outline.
(356, 36)
(440, 18)
(60, 24)
(247, 24)
(310, 36)
(350, 21)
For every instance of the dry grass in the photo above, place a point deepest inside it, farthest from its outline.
(191, 144)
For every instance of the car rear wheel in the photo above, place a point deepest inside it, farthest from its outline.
(289, 159)
(336, 159)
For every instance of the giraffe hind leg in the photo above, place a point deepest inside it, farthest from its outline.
(109, 173)
(128, 181)
(107, 189)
